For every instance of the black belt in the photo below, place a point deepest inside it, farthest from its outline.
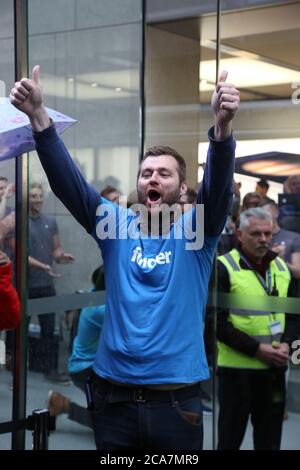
(142, 394)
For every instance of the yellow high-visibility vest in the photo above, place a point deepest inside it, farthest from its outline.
(245, 281)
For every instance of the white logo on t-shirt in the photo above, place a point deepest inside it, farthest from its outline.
(161, 258)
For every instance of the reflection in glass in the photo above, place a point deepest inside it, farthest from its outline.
(90, 59)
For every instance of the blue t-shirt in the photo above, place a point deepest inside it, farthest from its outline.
(156, 289)
(156, 297)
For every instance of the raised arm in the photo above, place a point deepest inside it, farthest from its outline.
(216, 188)
(64, 177)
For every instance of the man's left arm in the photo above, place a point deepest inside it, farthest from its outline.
(216, 189)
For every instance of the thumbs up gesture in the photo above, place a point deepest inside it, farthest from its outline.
(27, 96)
(224, 103)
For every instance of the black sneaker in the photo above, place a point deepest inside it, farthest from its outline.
(58, 377)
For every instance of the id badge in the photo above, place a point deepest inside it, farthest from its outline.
(275, 327)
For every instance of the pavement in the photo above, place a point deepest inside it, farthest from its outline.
(73, 436)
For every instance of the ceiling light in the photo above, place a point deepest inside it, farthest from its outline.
(248, 73)
(56, 86)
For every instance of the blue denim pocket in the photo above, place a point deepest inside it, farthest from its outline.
(190, 410)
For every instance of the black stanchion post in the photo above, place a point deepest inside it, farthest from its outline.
(40, 429)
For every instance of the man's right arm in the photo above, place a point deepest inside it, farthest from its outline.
(216, 189)
(64, 177)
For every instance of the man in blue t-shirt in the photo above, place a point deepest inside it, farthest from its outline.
(151, 357)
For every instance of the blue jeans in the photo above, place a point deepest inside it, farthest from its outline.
(135, 422)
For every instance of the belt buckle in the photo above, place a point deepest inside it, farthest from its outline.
(139, 395)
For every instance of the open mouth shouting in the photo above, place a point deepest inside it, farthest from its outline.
(153, 198)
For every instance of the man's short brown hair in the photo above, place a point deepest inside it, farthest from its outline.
(159, 150)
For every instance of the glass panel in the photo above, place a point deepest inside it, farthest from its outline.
(7, 207)
(259, 48)
(178, 106)
(89, 53)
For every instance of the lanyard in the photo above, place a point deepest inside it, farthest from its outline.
(267, 286)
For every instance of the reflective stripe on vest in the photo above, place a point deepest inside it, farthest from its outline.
(279, 266)
(243, 312)
(231, 261)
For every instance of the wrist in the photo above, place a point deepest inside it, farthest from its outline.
(260, 349)
(39, 119)
(222, 131)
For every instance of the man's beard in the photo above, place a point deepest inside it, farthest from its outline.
(261, 250)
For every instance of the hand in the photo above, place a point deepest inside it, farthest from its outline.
(273, 355)
(284, 347)
(65, 258)
(279, 248)
(27, 96)
(10, 189)
(4, 259)
(51, 273)
(224, 103)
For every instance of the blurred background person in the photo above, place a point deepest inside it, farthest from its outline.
(292, 184)
(188, 199)
(290, 204)
(44, 248)
(82, 357)
(7, 218)
(9, 300)
(252, 199)
(111, 193)
(284, 242)
(6, 191)
(7, 228)
(262, 188)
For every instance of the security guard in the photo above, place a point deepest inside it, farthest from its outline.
(253, 347)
